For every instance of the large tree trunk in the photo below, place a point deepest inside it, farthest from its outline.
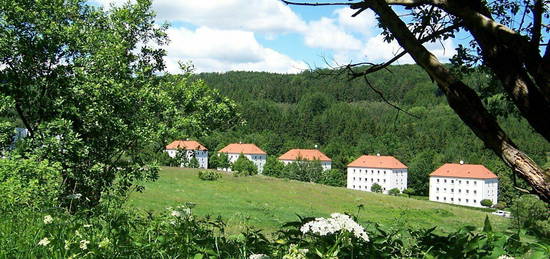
(466, 103)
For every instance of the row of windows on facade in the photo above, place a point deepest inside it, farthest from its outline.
(452, 199)
(377, 180)
(453, 190)
(372, 171)
(251, 157)
(365, 187)
(459, 181)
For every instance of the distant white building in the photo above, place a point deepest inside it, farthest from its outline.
(386, 171)
(250, 151)
(294, 155)
(192, 149)
(463, 184)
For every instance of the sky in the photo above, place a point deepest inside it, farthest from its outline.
(267, 35)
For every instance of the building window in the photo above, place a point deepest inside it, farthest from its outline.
(458, 199)
(459, 191)
(445, 180)
(452, 190)
(354, 170)
(452, 199)
(467, 182)
(475, 201)
(354, 187)
(452, 181)
(384, 180)
(475, 191)
(444, 198)
(444, 189)
(467, 200)
(437, 198)
(354, 178)
(438, 180)
(467, 191)
(459, 181)
(437, 189)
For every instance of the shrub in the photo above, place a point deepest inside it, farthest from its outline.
(305, 171)
(193, 163)
(500, 205)
(273, 167)
(394, 192)
(333, 177)
(531, 213)
(208, 175)
(486, 203)
(376, 188)
(28, 183)
(244, 167)
(409, 191)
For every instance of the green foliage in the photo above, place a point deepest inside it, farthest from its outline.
(500, 205)
(218, 160)
(530, 213)
(486, 203)
(193, 163)
(273, 167)
(28, 183)
(209, 175)
(376, 188)
(409, 191)
(304, 170)
(243, 167)
(333, 177)
(394, 192)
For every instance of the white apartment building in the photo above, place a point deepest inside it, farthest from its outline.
(294, 155)
(192, 148)
(250, 151)
(386, 171)
(463, 184)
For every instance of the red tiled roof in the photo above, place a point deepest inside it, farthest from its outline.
(305, 154)
(237, 148)
(185, 144)
(464, 171)
(388, 162)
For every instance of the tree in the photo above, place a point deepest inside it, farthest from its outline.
(244, 167)
(181, 159)
(409, 191)
(304, 170)
(531, 213)
(84, 82)
(334, 177)
(486, 203)
(394, 192)
(193, 163)
(376, 188)
(223, 161)
(507, 48)
(273, 167)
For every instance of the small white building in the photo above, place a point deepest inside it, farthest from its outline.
(386, 171)
(192, 149)
(250, 151)
(294, 155)
(463, 184)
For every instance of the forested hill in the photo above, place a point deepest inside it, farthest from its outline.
(347, 119)
(400, 83)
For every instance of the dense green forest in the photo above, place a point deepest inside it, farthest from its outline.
(348, 118)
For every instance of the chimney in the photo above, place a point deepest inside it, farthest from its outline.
(240, 142)
(315, 146)
(377, 154)
(461, 162)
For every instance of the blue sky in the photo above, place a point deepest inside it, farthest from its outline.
(266, 35)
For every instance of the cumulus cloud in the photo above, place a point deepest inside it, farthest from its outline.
(363, 23)
(221, 50)
(325, 34)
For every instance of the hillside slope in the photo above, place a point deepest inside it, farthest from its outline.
(267, 202)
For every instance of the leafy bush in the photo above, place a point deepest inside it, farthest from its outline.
(376, 188)
(244, 167)
(531, 213)
(193, 163)
(409, 191)
(305, 171)
(500, 205)
(273, 167)
(394, 192)
(208, 175)
(333, 177)
(28, 183)
(486, 203)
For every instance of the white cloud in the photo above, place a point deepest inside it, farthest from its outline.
(221, 50)
(325, 34)
(363, 23)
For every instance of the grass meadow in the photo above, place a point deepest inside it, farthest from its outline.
(266, 203)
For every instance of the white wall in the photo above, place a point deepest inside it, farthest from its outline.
(463, 191)
(362, 178)
(326, 165)
(258, 160)
(201, 156)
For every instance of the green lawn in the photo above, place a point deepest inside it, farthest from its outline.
(267, 202)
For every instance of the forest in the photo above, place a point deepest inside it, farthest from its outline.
(401, 113)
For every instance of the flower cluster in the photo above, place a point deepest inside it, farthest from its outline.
(48, 219)
(336, 222)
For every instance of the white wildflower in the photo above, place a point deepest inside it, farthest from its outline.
(87, 225)
(76, 233)
(75, 196)
(258, 256)
(67, 244)
(505, 257)
(44, 242)
(84, 244)
(295, 253)
(48, 219)
(336, 222)
(176, 213)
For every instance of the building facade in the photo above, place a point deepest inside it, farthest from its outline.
(295, 155)
(386, 171)
(250, 151)
(463, 184)
(191, 148)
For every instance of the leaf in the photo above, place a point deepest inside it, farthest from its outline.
(487, 225)
(198, 256)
